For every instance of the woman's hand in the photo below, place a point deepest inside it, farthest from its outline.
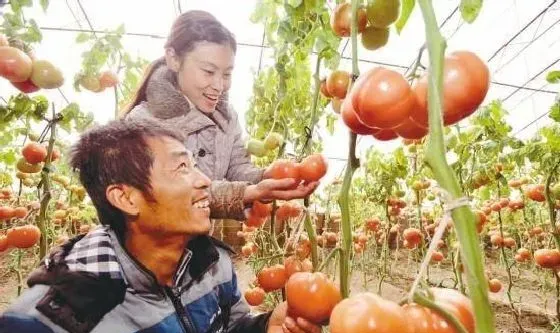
(278, 189)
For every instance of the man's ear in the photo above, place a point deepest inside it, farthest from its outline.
(125, 198)
(172, 60)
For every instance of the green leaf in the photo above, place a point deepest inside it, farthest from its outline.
(83, 37)
(407, 8)
(555, 112)
(33, 33)
(44, 5)
(294, 3)
(8, 157)
(470, 9)
(553, 77)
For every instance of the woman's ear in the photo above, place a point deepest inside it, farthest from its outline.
(172, 60)
(124, 198)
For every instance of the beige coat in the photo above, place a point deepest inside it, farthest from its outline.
(216, 141)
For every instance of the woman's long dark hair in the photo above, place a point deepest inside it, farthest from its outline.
(188, 29)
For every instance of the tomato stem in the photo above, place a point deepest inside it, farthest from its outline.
(46, 184)
(557, 277)
(463, 217)
(331, 255)
(552, 204)
(18, 270)
(273, 227)
(508, 267)
(351, 167)
(312, 235)
(317, 79)
(426, 302)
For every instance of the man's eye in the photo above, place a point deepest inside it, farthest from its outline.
(183, 165)
(209, 72)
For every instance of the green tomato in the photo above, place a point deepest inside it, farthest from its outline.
(45, 75)
(374, 38)
(256, 148)
(383, 13)
(273, 140)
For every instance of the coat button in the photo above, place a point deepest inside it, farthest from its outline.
(201, 152)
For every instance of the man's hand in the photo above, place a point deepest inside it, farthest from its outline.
(278, 189)
(280, 322)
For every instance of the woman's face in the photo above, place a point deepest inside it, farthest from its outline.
(205, 74)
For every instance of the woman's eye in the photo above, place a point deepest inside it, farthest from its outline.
(209, 72)
(183, 165)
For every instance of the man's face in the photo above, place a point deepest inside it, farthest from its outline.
(179, 190)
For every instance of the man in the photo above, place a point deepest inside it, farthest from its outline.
(151, 267)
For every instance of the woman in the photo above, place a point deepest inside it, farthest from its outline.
(188, 89)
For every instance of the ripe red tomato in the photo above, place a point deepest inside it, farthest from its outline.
(524, 254)
(535, 192)
(437, 256)
(373, 224)
(337, 83)
(509, 242)
(246, 250)
(4, 245)
(341, 19)
(15, 65)
(351, 120)
(55, 155)
(281, 169)
(108, 79)
(368, 313)
(20, 212)
(292, 265)
(23, 237)
(504, 202)
(254, 220)
(497, 240)
(382, 98)
(494, 285)
(410, 129)
(311, 296)
(272, 278)
(324, 89)
(465, 84)
(480, 219)
(26, 86)
(413, 236)
(313, 168)
(254, 296)
(457, 304)
(34, 153)
(547, 258)
(425, 320)
(6, 213)
(261, 209)
(385, 135)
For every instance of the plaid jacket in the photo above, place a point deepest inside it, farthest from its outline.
(91, 284)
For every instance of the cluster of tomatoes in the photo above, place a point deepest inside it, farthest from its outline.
(373, 21)
(32, 161)
(22, 237)
(260, 148)
(98, 82)
(381, 102)
(316, 298)
(24, 71)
